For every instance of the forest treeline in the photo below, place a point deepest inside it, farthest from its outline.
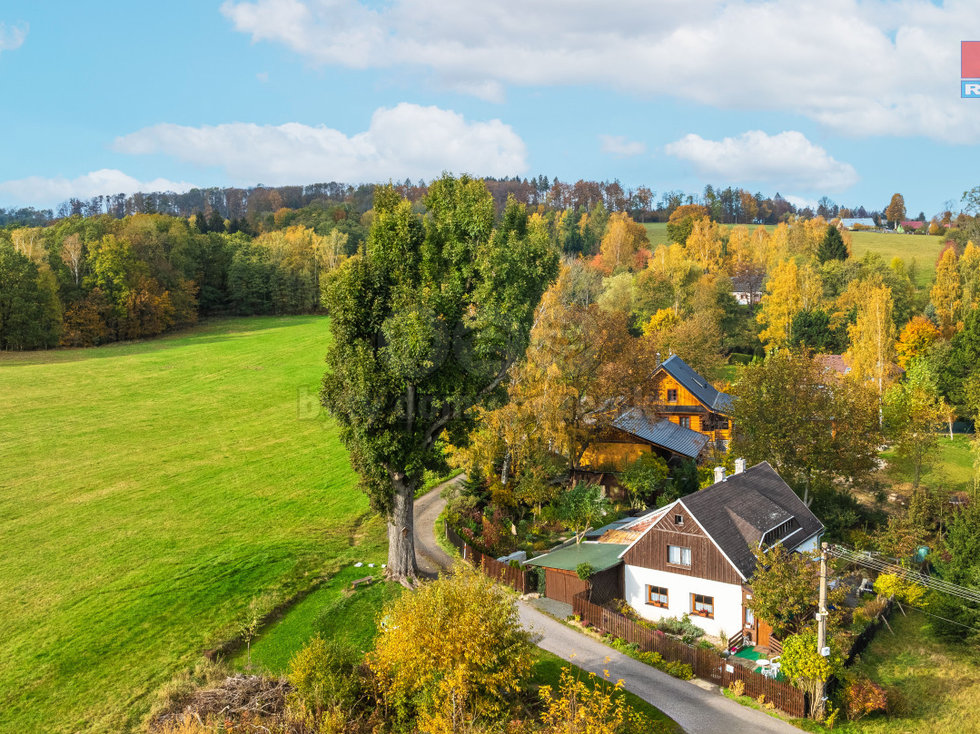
(726, 205)
(94, 277)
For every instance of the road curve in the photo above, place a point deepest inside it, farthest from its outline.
(692, 707)
(430, 557)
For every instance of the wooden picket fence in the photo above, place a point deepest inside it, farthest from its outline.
(517, 578)
(706, 664)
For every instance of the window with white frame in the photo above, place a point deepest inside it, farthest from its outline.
(703, 606)
(657, 596)
(678, 555)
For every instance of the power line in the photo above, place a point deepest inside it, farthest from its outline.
(866, 559)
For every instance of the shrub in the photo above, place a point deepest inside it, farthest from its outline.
(737, 688)
(325, 675)
(584, 571)
(863, 696)
(458, 639)
(598, 709)
(682, 628)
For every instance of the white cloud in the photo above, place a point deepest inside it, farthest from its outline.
(801, 202)
(785, 159)
(12, 37)
(861, 67)
(406, 141)
(618, 145)
(40, 191)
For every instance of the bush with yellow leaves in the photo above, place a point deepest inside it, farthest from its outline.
(452, 650)
(578, 708)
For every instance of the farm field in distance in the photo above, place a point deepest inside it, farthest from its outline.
(151, 491)
(924, 249)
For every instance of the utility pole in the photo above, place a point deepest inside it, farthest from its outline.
(822, 612)
(822, 625)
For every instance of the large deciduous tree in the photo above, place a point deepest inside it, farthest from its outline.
(895, 212)
(913, 411)
(811, 425)
(873, 337)
(426, 320)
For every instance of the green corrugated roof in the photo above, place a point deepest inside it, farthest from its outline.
(599, 555)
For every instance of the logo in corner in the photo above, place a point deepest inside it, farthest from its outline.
(970, 69)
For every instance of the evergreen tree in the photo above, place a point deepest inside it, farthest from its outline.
(832, 247)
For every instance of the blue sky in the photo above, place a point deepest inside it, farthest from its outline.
(855, 100)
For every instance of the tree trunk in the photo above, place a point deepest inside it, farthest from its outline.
(401, 532)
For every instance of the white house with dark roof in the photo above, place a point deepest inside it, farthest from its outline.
(694, 556)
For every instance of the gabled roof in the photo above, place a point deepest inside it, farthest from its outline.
(737, 512)
(695, 384)
(663, 433)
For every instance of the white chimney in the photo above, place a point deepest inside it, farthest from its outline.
(719, 474)
(739, 466)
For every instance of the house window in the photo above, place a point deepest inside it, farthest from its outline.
(678, 556)
(672, 396)
(678, 519)
(657, 596)
(749, 618)
(703, 606)
(685, 421)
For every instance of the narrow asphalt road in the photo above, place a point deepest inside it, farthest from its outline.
(430, 557)
(694, 708)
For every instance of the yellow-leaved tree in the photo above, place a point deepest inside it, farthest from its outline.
(673, 264)
(917, 337)
(970, 277)
(622, 240)
(789, 290)
(872, 336)
(451, 652)
(947, 292)
(704, 244)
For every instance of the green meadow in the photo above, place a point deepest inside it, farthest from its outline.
(153, 495)
(922, 249)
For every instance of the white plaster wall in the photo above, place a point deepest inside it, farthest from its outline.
(728, 598)
(810, 545)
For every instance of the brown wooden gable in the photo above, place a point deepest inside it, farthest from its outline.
(707, 562)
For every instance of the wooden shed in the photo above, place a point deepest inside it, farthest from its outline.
(561, 578)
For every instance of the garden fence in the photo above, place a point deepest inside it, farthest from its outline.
(706, 664)
(517, 578)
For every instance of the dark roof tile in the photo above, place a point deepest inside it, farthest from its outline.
(662, 433)
(693, 382)
(738, 511)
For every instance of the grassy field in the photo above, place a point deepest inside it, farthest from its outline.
(150, 492)
(923, 249)
(950, 467)
(332, 610)
(932, 686)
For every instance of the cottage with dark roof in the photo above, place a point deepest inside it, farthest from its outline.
(694, 556)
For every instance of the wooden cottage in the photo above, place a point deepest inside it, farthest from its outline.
(687, 416)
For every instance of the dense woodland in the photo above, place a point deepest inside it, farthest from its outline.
(121, 267)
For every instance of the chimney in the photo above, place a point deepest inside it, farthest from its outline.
(719, 474)
(739, 466)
